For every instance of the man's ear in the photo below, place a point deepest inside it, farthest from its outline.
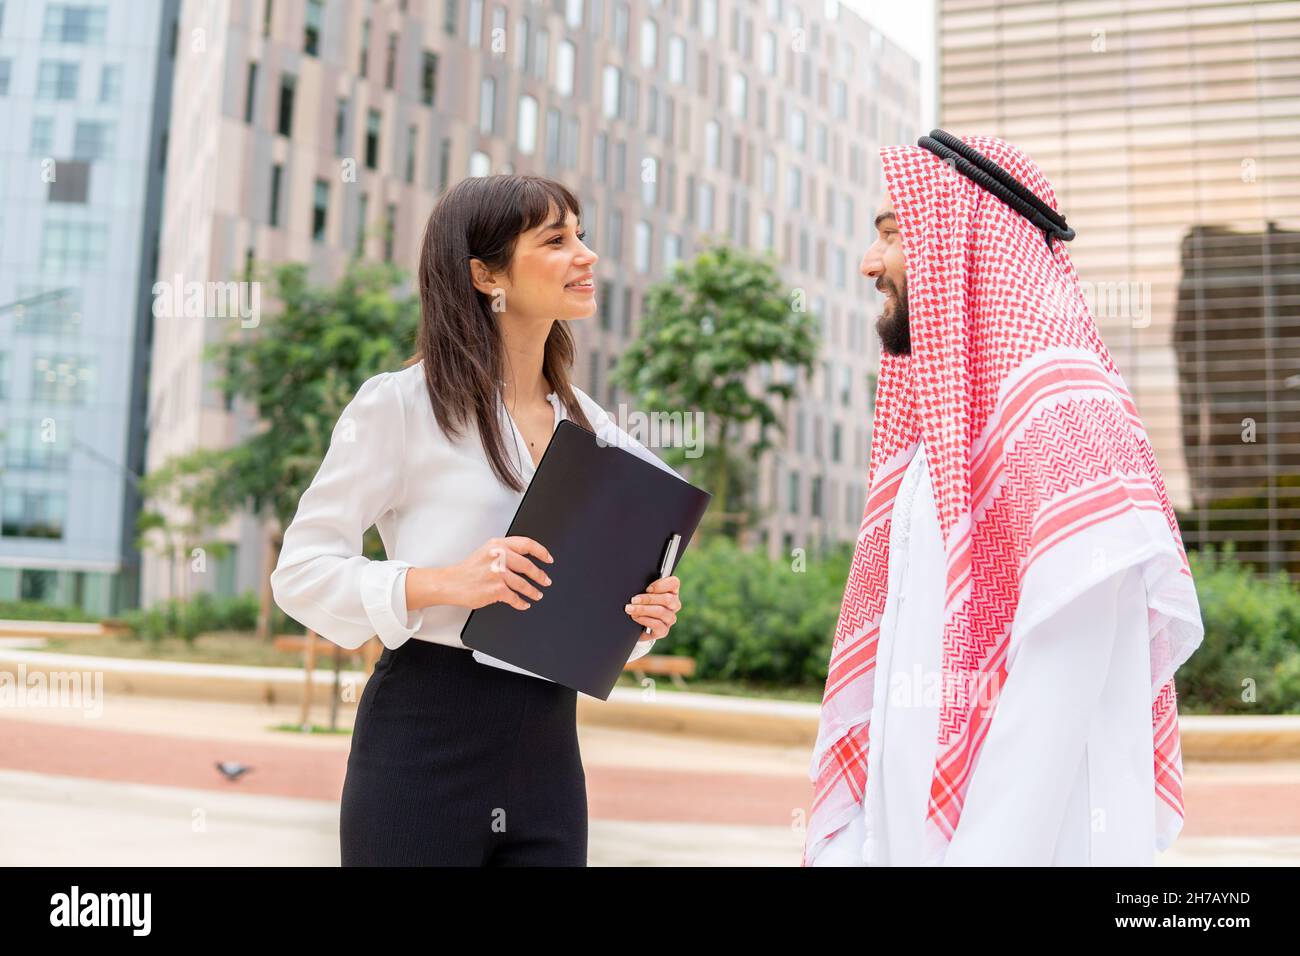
(481, 277)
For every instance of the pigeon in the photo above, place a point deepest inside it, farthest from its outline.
(231, 770)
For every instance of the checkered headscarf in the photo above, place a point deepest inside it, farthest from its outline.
(1044, 480)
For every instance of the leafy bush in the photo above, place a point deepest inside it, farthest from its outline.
(39, 611)
(747, 617)
(1252, 640)
(203, 613)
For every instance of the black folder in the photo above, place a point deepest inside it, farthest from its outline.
(607, 517)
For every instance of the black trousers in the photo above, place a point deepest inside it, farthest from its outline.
(456, 763)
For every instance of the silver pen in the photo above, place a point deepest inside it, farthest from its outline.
(669, 557)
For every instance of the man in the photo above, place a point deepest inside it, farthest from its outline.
(1000, 688)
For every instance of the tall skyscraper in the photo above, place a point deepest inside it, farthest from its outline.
(1169, 130)
(671, 119)
(84, 99)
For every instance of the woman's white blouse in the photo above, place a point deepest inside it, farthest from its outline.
(434, 502)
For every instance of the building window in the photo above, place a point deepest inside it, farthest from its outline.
(365, 48)
(412, 135)
(599, 160)
(541, 54)
(285, 123)
(250, 92)
(92, 140)
(677, 60)
(487, 104)
(56, 80)
(34, 514)
(475, 23)
(73, 245)
(611, 90)
(739, 95)
(37, 445)
(649, 44)
(390, 231)
(373, 121)
(68, 24)
(6, 68)
(429, 78)
(705, 207)
(565, 60)
(480, 164)
(526, 138)
(277, 174)
(614, 238)
(620, 26)
(45, 310)
(362, 212)
(62, 378)
(390, 64)
(794, 493)
(449, 17)
(110, 83)
(573, 13)
(341, 127)
(569, 159)
(620, 166)
(311, 28)
(649, 180)
(816, 502)
(641, 254)
(319, 207)
(42, 136)
(522, 46)
(767, 53)
(498, 30)
(713, 144)
(552, 138)
(73, 182)
(606, 292)
(672, 250)
(35, 584)
(444, 165)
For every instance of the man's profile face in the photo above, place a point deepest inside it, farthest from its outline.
(885, 265)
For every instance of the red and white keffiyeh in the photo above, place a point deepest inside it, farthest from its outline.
(1044, 481)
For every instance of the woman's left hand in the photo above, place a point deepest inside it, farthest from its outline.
(656, 608)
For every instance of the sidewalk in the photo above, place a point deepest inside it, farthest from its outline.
(138, 786)
(654, 708)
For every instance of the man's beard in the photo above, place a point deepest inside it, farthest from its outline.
(895, 329)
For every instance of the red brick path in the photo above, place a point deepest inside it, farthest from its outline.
(1217, 808)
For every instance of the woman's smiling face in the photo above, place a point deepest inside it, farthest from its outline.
(551, 276)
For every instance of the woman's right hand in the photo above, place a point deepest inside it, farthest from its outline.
(500, 571)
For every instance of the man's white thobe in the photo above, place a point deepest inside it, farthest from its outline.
(1066, 774)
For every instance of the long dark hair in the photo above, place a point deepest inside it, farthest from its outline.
(459, 340)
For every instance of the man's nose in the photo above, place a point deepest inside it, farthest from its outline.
(872, 266)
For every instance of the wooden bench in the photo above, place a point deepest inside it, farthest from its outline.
(298, 642)
(672, 666)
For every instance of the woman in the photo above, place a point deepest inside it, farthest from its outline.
(458, 759)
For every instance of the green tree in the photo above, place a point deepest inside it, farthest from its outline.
(294, 372)
(704, 329)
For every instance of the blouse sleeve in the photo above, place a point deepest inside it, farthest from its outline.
(322, 579)
(1027, 769)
